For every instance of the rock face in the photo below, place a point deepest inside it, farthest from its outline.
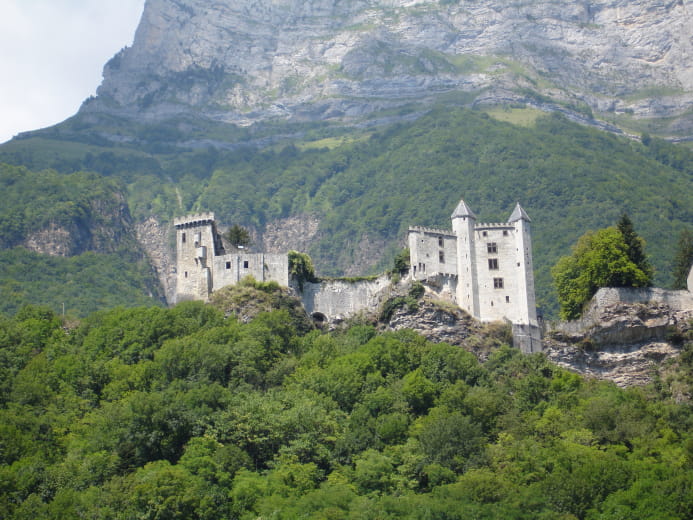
(436, 323)
(154, 237)
(623, 342)
(103, 227)
(244, 61)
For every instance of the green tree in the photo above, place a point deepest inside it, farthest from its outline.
(683, 259)
(635, 244)
(301, 268)
(599, 259)
(238, 236)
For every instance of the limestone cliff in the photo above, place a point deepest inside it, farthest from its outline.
(628, 342)
(244, 61)
(104, 226)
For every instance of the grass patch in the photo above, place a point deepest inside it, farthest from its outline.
(524, 117)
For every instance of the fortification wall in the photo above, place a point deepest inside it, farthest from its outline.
(339, 299)
(677, 300)
(232, 268)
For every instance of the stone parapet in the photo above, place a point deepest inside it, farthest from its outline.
(422, 229)
(196, 219)
(493, 225)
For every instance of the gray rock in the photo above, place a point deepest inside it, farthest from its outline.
(246, 61)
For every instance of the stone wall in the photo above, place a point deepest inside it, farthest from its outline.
(608, 306)
(677, 300)
(335, 300)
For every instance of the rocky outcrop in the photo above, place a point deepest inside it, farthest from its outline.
(625, 342)
(296, 233)
(435, 320)
(104, 226)
(154, 237)
(251, 60)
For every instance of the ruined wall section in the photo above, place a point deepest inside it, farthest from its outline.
(232, 268)
(335, 300)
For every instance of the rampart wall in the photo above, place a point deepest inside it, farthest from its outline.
(336, 300)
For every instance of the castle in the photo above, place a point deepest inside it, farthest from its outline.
(203, 265)
(486, 269)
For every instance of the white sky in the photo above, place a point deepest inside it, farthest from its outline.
(52, 53)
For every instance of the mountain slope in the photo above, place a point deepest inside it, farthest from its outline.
(247, 61)
(354, 195)
(331, 126)
(68, 241)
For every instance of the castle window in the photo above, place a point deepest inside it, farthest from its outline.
(440, 242)
(493, 264)
(228, 265)
(483, 233)
(505, 232)
(245, 264)
(183, 237)
(186, 274)
(492, 247)
(497, 283)
(507, 299)
(441, 257)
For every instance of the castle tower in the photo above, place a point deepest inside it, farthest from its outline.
(463, 223)
(526, 308)
(196, 246)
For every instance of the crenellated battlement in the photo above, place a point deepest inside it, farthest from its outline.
(193, 220)
(488, 266)
(423, 229)
(486, 226)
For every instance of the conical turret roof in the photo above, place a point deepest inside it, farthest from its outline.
(519, 214)
(462, 210)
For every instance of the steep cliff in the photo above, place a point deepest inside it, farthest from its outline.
(622, 339)
(246, 61)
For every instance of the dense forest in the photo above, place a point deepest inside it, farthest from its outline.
(367, 184)
(85, 215)
(155, 413)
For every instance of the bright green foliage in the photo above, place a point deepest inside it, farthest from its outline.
(599, 259)
(683, 259)
(301, 268)
(181, 413)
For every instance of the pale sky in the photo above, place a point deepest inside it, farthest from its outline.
(52, 54)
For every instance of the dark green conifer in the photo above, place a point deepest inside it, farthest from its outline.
(683, 259)
(635, 246)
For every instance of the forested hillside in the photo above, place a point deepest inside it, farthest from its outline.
(67, 241)
(180, 413)
(366, 185)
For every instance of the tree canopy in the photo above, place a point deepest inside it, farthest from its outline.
(181, 413)
(599, 259)
(683, 259)
(238, 236)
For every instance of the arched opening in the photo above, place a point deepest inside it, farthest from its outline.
(319, 319)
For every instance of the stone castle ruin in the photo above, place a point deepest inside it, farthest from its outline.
(203, 265)
(485, 269)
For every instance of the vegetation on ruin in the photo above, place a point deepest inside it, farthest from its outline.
(183, 413)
